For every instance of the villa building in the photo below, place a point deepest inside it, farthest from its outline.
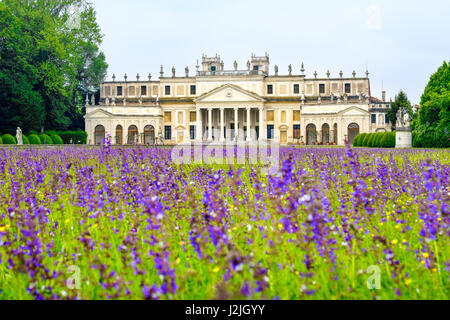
(236, 105)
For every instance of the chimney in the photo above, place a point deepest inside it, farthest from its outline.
(383, 95)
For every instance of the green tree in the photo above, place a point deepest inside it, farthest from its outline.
(48, 62)
(401, 101)
(432, 126)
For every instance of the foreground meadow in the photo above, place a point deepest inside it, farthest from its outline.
(102, 223)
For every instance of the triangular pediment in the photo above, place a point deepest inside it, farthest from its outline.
(229, 93)
(99, 113)
(353, 111)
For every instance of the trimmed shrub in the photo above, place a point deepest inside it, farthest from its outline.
(25, 139)
(56, 139)
(34, 139)
(361, 139)
(370, 142)
(8, 139)
(388, 140)
(1, 141)
(45, 139)
(33, 132)
(356, 140)
(75, 137)
(378, 137)
(366, 140)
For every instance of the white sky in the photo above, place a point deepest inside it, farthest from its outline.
(400, 42)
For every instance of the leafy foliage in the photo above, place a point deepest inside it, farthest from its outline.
(47, 63)
(45, 139)
(401, 101)
(432, 126)
(8, 139)
(34, 139)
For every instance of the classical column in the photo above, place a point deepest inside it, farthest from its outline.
(222, 124)
(210, 124)
(262, 127)
(199, 136)
(236, 124)
(249, 127)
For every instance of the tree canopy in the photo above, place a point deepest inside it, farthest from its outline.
(49, 61)
(432, 125)
(401, 101)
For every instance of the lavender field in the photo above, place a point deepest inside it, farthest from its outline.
(110, 223)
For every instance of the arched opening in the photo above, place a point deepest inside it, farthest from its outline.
(119, 135)
(353, 131)
(132, 135)
(149, 135)
(311, 134)
(99, 134)
(325, 134)
(335, 133)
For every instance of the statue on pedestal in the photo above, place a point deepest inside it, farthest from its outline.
(403, 136)
(403, 118)
(19, 136)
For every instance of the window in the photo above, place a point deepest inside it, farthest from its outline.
(296, 88)
(119, 91)
(192, 132)
(193, 90)
(296, 115)
(348, 88)
(167, 116)
(270, 131)
(374, 118)
(143, 90)
(167, 90)
(386, 120)
(321, 88)
(270, 115)
(167, 132)
(297, 131)
(193, 116)
(269, 89)
(213, 68)
(255, 68)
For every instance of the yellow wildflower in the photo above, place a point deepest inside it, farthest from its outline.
(408, 281)
(177, 261)
(181, 243)
(395, 241)
(280, 226)
(434, 270)
(425, 255)
(216, 269)
(422, 262)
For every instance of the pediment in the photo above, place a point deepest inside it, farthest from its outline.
(99, 113)
(353, 111)
(229, 93)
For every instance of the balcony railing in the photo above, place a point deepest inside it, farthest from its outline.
(231, 73)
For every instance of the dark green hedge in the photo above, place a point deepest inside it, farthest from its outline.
(8, 139)
(375, 140)
(34, 139)
(45, 139)
(388, 140)
(73, 137)
(25, 140)
(1, 141)
(56, 139)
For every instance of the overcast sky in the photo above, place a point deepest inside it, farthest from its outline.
(401, 43)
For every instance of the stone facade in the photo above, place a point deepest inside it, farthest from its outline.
(245, 105)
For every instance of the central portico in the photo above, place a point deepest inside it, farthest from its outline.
(230, 113)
